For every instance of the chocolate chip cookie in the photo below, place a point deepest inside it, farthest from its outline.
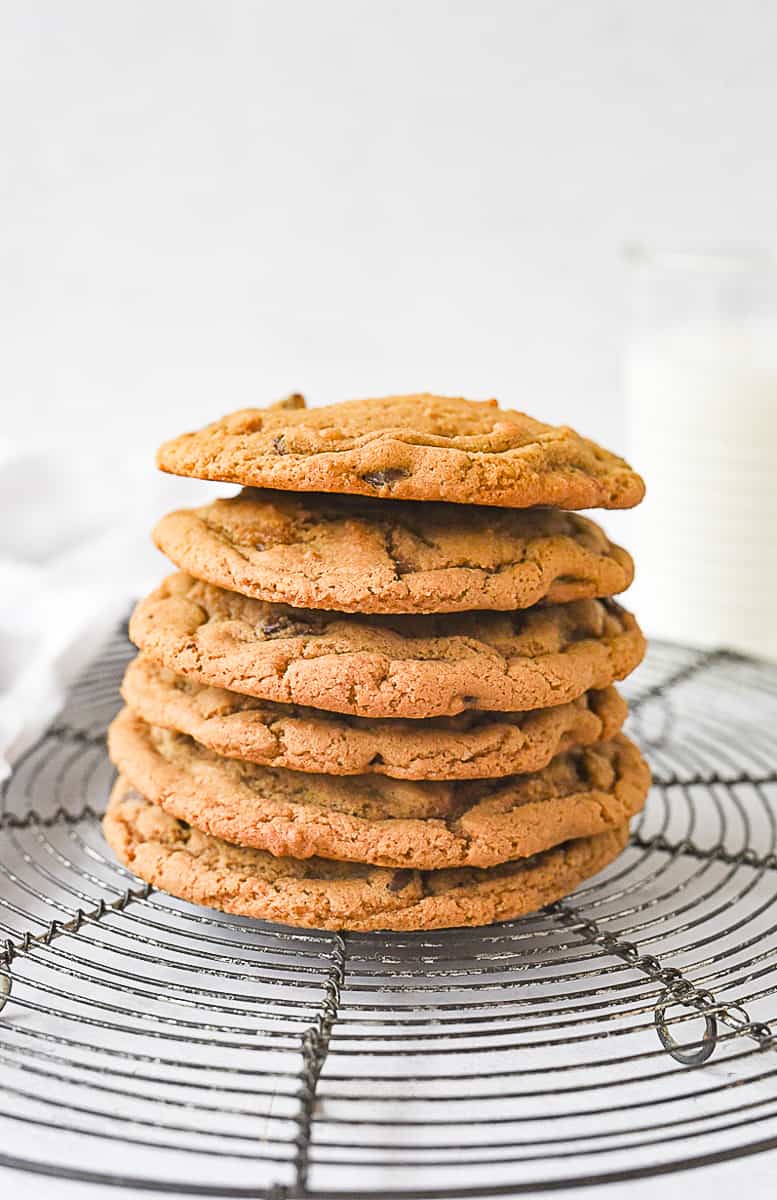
(470, 746)
(355, 555)
(401, 666)
(372, 819)
(321, 894)
(419, 447)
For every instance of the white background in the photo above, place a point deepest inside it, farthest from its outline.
(715, 1183)
(206, 205)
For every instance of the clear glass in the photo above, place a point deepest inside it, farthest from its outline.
(701, 380)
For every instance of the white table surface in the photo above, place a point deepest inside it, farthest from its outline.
(756, 1176)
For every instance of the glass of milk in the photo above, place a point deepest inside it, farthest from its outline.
(701, 377)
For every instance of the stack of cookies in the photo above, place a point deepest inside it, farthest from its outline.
(378, 692)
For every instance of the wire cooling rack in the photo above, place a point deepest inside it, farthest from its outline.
(627, 1031)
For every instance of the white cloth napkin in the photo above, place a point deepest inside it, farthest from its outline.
(75, 551)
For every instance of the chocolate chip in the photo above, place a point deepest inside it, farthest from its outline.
(280, 444)
(376, 760)
(402, 566)
(283, 627)
(400, 880)
(385, 478)
(184, 825)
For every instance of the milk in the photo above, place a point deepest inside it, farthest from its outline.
(703, 424)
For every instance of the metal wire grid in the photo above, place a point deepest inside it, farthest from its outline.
(621, 1033)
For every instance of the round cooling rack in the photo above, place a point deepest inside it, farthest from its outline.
(628, 1031)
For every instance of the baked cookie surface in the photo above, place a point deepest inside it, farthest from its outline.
(351, 554)
(469, 746)
(419, 447)
(322, 894)
(401, 666)
(372, 819)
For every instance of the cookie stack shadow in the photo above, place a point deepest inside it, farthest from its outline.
(378, 691)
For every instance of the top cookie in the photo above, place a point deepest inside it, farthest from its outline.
(354, 555)
(408, 448)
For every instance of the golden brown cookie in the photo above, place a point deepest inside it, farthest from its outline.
(355, 555)
(469, 746)
(401, 666)
(320, 894)
(408, 448)
(372, 819)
